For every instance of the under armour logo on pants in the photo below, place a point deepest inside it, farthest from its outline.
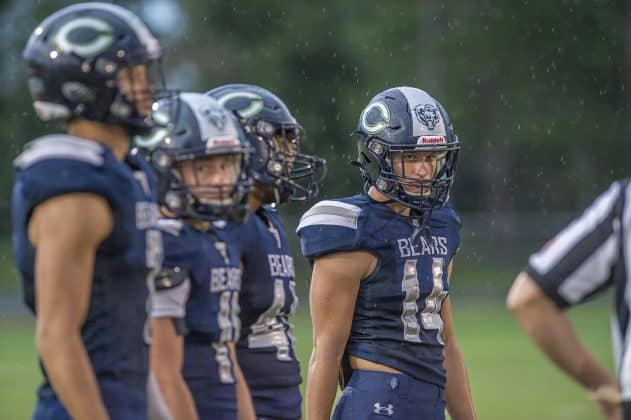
(387, 410)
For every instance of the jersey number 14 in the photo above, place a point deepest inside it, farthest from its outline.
(430, 315)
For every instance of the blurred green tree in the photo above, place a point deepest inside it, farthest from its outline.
(538, 91)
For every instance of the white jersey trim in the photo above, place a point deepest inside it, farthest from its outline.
(330, 212)
(60, 146)
(172, 226)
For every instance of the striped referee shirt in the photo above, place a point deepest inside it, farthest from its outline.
(588, 256)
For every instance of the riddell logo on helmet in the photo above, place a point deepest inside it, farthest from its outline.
(219, 142)
(431, 140)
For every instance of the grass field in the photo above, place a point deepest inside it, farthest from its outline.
(509, 378)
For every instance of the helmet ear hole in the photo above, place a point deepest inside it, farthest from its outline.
(377, 148)
(384, 186)
(275, 167)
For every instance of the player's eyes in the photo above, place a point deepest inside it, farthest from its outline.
(203, 169)
(413, 157)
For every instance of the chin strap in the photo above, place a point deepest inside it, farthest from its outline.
(422, 222)
(420, 218)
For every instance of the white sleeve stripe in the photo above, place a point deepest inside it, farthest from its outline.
(330, 212)
(328, 219)
(592, 273)
(172, 226)
(61, 147)
(350, 207)
(546, 259)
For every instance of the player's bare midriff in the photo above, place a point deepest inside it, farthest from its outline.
(358, 363)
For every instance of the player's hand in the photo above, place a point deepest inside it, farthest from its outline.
(608, 399)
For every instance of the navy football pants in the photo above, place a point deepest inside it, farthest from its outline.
(381, 395)
(213, 401)
(280, 403)
(122, 401)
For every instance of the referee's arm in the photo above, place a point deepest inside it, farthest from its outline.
(549, 327)
(574, 266)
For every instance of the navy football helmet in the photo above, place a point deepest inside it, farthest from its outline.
(403, 120)
(190, 129)
(275, 136)
(82, 62)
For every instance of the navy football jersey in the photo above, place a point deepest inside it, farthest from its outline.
(268, 298)
(112, 333)
(397, 319)
(209, 300)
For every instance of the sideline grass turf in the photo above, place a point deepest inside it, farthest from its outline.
(510, 379)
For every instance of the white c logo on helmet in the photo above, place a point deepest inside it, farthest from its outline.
(161, 121)
(381, 123)
(88, 49)
(256, 103)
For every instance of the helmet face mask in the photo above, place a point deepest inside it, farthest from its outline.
(407, 148)
(201, 157)
(278, 165)
(94, 61)
(283, 168)
(140, 86)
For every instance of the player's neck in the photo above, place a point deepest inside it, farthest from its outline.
(255, 199)
(201, 225)
(112, 136)
(396, 207)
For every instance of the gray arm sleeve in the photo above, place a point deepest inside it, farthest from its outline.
(171, 302)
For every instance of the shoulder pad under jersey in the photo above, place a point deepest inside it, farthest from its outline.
(329, 226)
(59, 164)
(60, 146)
(179, 244)
(448, 215)
(234, 233)
(273, 215)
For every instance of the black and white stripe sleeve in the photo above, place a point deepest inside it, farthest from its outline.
(578, 262)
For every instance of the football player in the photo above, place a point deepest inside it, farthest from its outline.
(201, 159)
(381, 264)
(84, 212)
(268, 299)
